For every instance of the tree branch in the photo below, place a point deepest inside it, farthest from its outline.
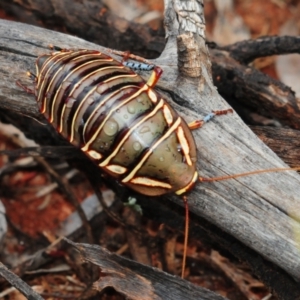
(246, 51)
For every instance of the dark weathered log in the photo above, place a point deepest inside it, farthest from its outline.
(254, 89)
(88, 19)
(246, 51)
(283, 141)
(139, 282)
(256, 210)
(19, 284)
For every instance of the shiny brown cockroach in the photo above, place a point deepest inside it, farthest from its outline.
(120, 121)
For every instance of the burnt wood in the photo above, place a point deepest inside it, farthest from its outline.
(251, 88)
(247, 51)
(91, 20)
(285, 142)
(19, 284)
(139, 282)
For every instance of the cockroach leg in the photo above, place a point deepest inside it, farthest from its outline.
(24, 87)
(199, 123)
(186, 235)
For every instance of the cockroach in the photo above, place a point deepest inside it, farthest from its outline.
(125, 126)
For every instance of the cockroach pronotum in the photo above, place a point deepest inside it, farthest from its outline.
(120, 121)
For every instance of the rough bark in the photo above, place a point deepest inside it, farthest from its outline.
(253, 89)
(19, 284)
(284, 142)
(90, 19)
(139, 282)
(247, 51)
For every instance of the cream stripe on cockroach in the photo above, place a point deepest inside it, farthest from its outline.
(66, 79)
(93, 57)
(171, 130)
(167, 114)
(44, 100)
(150, 182)
(101, 104)
(185, 146)
(118, 170)
(86, 97)
(130, 131)
(41, 79)
(92, 139)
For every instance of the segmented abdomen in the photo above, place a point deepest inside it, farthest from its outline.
(110, 112)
